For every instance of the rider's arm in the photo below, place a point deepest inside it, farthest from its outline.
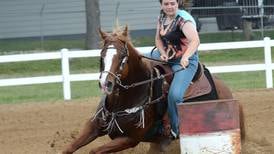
(192, 36)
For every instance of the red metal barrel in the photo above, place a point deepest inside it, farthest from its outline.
(210, 127)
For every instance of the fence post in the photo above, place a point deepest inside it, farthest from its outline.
(66, 74)
(268, 62)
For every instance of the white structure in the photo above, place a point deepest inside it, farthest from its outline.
(66, 77)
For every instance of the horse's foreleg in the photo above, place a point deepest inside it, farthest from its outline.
(115, 145)
(88, 134)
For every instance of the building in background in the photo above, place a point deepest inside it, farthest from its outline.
(33, 18)
(39, 18)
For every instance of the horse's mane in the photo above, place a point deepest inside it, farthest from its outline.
(118, 32)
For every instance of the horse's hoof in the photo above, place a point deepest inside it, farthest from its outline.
(164, 144)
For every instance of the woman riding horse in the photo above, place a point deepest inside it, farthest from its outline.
(177, 41)
(128, 110)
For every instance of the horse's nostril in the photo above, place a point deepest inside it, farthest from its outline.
(109, 85)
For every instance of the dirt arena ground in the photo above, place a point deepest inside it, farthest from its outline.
(45, 128)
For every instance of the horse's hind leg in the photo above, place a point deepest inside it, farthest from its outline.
(88, 134)
(225, 93)
(115, 145)
(222, 90)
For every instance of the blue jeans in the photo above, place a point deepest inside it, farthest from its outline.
(179, 85)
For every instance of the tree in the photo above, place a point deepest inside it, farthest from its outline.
(93, 24)
(185, 3)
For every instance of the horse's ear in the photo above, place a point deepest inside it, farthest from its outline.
(125, 32)
(102, 34)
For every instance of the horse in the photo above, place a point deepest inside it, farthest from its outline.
(134, 101)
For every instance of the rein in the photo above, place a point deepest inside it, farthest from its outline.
(119, 82)
(157, 60)
(145, 81)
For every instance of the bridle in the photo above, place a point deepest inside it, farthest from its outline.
(124, 53)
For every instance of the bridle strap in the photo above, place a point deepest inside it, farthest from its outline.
(160, 61)
(114, 75)
(147, 81)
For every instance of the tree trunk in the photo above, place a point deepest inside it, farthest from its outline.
(247, 29)
(186, 3)
(93, 24)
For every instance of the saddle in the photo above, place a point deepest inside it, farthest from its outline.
(199, 86)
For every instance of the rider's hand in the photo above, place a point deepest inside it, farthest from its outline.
(184, 62)
(164, 57)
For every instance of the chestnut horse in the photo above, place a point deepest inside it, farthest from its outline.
(133, 104)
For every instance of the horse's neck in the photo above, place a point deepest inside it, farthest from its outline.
(138, 69)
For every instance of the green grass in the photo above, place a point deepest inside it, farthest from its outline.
(48, 67)
(46, 92)
(91, 64)
(84, 89)
(24, 45)
(31, 93)
(244, 80)
(210, 37)
(232, 36)
(54, 92)
(7, 46)
(237, 56)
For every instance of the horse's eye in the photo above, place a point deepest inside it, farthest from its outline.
(123, 62)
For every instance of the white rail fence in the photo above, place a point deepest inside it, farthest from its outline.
(66, 78)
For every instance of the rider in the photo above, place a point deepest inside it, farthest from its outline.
(177, 41)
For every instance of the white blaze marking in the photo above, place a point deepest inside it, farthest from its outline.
(110, 53)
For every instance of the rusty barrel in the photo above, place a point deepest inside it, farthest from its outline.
(210, 127)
